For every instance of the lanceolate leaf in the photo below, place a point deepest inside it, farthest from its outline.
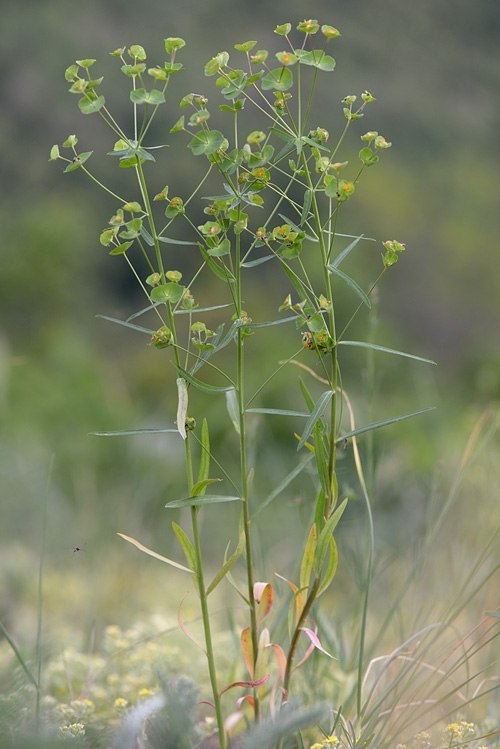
(200, 385)
(208, 499)
(152, 553)
(383, 423)
(127, 324)
(221, 574)
(385, 350)
(352, 284)
(186, 545)
(307, 562)
(342, 256)
(205, 452)
(326, 534)
(316, 414)
(198, 490)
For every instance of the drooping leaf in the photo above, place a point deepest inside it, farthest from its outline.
(315, 640)
(154, 554)
(182, 405)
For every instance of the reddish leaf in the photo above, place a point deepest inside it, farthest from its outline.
(248, 684)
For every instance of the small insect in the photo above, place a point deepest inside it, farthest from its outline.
(77, 548)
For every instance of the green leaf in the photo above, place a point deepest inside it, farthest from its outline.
(383, 349)
(352, 284)
(283, 29)
(78, 161)
(172, 43)
(233, 409)
(316, 414)
(126, 324)
(345, 252)
(326, 535)
(152, 553)
(186, 545)
(331, 567)
(245, 46)
(206, 142)
(383, 423)
(221, 249)
(198, 489)
(316, 58)
(208, 499)
(91, 105)
(307, 562)
(54, 153)
(137, 52)
(214, 65)
(200, 385)
(167, 292)
(205, 452)
(276, 412)
(285, 483)
(279, 79)
(134, 432)
(141, 96)
(121, 249)
(228, 563)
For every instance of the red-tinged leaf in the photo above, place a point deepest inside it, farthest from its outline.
(315, 640)
(288, 582)
(253, 684)
(299, 598)
(264, 597)
(247, 648)
(246, 698)
(280, 656)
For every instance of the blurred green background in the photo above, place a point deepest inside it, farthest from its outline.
(434, 69)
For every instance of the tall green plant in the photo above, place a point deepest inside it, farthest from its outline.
(281, 187)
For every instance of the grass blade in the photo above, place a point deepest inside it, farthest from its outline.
(385, 350)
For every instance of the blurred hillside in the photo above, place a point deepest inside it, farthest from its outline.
(433, 67)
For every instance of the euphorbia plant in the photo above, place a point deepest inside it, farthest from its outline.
(282, 188)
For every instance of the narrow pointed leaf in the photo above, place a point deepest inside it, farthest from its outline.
(132, 432)
(342, 256)
(224, 570)
(265, 601)
(126, 324)
(315, 640)
(205, 452)
(154, 554)
(276, 412)
(331, 567)
(233, 409)
(352, 284)
(327, 533)
(208, 499)
(186, 545)
(307, 562)
(385, 350)
(316, 414)
(383, 423)
(248, 684)
(200, 385)
(286, 481)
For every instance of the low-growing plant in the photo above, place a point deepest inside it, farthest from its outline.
(277, 185)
